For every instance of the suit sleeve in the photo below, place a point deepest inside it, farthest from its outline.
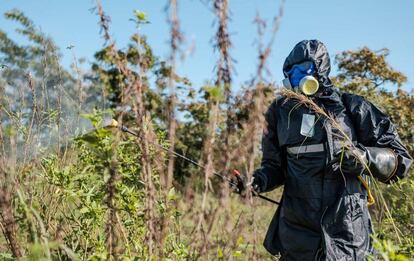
(389, 159)
(270, 172)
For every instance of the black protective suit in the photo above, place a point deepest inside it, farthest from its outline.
(323, 215)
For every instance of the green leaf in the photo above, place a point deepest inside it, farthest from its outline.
(240, 241)
(171, 195)
(141, 16)
(237, 253)
(94, 118)
(220, 252)
(215, 93)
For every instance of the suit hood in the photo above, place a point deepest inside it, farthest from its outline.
(315, 51)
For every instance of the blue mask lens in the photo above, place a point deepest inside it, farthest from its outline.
(299, 71)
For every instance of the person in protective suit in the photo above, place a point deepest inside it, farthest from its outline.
(323, 213)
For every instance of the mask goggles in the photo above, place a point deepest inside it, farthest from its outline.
(300, 76)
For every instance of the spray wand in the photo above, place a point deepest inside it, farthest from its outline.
(114, 124)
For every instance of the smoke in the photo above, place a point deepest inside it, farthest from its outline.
(40, 117)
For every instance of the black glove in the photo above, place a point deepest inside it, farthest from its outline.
(352, 162)
(382, 162)
(257, 184)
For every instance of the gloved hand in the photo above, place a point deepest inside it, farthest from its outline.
(352, 162)
(256, 184)
(239, 184)
(382, 162)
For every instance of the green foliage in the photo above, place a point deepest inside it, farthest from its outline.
(82, 189)
(366, 70)
(214, 93)
(387, 251)
(78, 194)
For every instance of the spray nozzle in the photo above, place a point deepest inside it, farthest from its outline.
(110, 123)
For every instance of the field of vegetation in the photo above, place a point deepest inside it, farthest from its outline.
(71, 189)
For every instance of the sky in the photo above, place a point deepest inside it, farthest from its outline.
(341, 25)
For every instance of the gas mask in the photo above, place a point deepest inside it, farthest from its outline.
(300, 77)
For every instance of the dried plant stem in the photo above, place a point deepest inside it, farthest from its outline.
(43, 233)
(149, 192)
(112, 222)
(175, 40)
(110, 230)
(60, 94)
(35, 112)
(223, 44)
(145, 133)
(7, 219)
(208, 171)
(80, 85)
(251, 138)
(103, 22)
(146, 136)
(172, 125)
(264, 54)
(45, 90)
(224, 79)
(256, 124)
(224, 64)
(256, 120)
